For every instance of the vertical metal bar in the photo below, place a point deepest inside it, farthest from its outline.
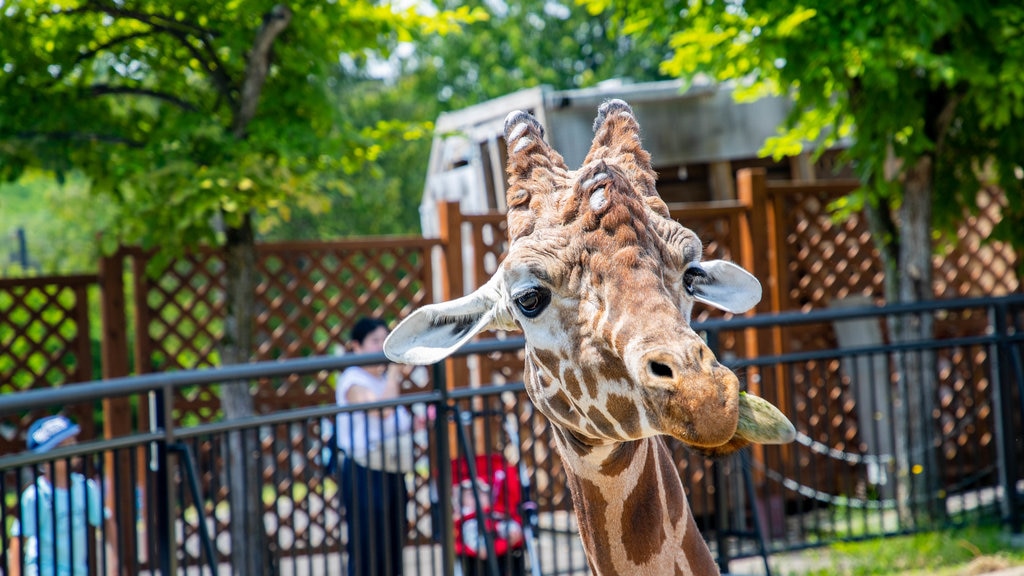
(1002, 397)
(471, 470)
(443, 465)
(721, 501)
(4, 540)
(721, 517)
(166, 541)
(22, 249)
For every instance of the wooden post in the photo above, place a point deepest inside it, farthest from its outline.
(801, 168)
(117, 411)
(721, 182)
(450, 221)
(752, 189)
(760, 250)
(453, 286)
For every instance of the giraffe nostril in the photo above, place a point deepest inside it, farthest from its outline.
(661, 370)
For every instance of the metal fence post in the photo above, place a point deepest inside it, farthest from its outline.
(443, 465)
(165, 533)
(1002, 397)
(721, 487)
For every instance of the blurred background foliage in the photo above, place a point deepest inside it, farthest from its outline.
(384, 100)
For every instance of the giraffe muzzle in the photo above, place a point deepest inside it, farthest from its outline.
(698, 402)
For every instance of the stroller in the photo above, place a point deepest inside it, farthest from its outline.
(494, 492)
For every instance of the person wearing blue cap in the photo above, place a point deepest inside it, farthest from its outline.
(56, 510)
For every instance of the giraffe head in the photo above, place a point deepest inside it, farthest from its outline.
(602, 282)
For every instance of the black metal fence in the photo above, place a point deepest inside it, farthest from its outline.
(892, 438)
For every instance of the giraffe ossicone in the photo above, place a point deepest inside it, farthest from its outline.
(602, 283)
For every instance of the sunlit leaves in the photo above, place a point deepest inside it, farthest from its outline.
(789, 23)
(530, 43)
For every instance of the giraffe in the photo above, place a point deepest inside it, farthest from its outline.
(602, 283)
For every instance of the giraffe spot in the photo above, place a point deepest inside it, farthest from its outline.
(643, 526)
(546, 358)
(572, 384)
(592, 510)
(619, 459)
(624, 411)
(601, 423)
(675, 498)
(559, 404)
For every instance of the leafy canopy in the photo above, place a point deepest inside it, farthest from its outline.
(144, 98)
(528, 43)
(930, 77)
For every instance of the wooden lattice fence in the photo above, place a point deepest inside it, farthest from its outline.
(819, 261)
(45, 341)
(308, 295)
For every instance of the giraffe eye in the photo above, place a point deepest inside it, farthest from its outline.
(532, 301)
(693, 274)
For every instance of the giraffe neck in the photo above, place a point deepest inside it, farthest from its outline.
(631, 509)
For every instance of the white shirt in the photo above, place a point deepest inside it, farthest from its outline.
(356, 431)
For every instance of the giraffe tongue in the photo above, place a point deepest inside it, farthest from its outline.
(762, 423)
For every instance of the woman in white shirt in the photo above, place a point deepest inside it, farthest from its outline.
(373, 483)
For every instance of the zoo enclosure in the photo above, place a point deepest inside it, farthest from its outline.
(309, 293)
(833, 484)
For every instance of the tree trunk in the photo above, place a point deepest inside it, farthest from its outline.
(904, 236)
(248, 535)
(920, 473)
(248, 543)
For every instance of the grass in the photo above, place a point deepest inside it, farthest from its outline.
(962, 552)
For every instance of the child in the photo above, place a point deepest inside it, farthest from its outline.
(470, 544)
(52, 536)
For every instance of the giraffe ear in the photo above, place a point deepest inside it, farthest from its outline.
(434, 332)
(725, 286)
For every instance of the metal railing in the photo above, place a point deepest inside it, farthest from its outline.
(860, 468)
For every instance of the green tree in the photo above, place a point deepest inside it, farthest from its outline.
(194, 119)
(493, 56)
(394, 124)
(930, 92)
(58, 240)
(528, 43)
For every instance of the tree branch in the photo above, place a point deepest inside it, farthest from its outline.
(113, 42)
(216, 69)
(104, 89)
(155, 20)
(74, 136)
(183, 31)
(258, 65)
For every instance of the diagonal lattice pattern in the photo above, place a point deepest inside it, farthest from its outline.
(44, 342)
(307, 297)
(823, 259)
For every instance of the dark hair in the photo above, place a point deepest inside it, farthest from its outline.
(364, 326)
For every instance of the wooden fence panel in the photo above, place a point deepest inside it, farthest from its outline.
(308, 295)
(44, 341)
(818, 260)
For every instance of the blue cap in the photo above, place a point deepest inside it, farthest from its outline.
(47, 433)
